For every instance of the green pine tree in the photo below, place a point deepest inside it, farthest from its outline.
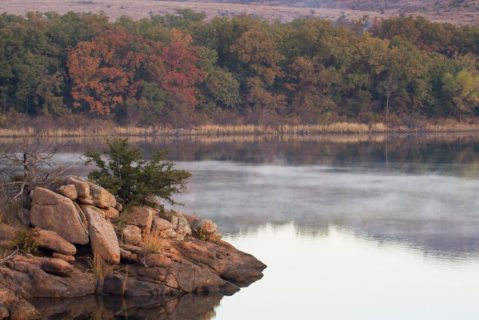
(131, 178)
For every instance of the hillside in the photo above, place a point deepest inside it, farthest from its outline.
(454, 11)
(405, 6)
(460, 11)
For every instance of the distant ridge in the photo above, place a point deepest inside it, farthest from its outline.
(372, 5)
(454, 11)
(464, 12)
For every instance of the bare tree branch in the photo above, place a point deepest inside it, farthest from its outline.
(26, 166)
(10, 256)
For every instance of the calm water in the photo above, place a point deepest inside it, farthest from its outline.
(363, 228)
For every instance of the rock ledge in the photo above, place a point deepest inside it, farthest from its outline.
(87, 246)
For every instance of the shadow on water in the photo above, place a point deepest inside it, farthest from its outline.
(187, 307)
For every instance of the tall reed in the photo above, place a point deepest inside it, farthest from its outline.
(105, 131)
(109, 130)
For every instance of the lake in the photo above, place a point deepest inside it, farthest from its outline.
(363, 227)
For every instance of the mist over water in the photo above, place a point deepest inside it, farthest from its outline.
(349, 234)
(437, 213)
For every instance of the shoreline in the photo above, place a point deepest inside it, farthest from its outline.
(350, 128)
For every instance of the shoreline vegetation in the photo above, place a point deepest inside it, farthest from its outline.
(246, 75)
(240, 130)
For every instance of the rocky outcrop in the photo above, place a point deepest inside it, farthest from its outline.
(57, 267)
(55, 212)
(132, 235)
(102, 235)
(186, 266)
(65, 257)
(28, 278)
(69, 191)
(225, 260)
(111, 213)
(52, 241)
(82, 186)
(179, 222)
(205, 229)
(15, 308)
(163, 228)
(140, 252)
(101, 197)
(140, 216)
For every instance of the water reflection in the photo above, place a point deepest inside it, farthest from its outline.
(343, 276)
(455, 154)
(436, 213)
(188, 307)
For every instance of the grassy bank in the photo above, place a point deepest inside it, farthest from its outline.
(110, 130)
(203, 130)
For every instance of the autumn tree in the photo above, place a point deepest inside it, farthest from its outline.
(180, 69)
(181, 73)
(103, 71)
(260, 58)
(117, 68)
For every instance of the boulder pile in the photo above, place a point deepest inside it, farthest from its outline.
(86, 244)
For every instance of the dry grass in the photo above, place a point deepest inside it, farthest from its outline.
(9, 212)
(212, 130)
(211, 139)
(144, 8)
(429, 133)
(139, 9)
(4, 253)
(151, 244)
(124, 284)
(100, 268)
(451, 126)
(7, 253)
(204, 130)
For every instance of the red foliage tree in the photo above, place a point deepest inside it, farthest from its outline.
(181, 71)
(112, 67)
(103, 71)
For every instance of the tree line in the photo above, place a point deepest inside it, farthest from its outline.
(181, 69)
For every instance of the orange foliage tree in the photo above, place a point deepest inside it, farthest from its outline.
(103, 71)
(110, 70)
